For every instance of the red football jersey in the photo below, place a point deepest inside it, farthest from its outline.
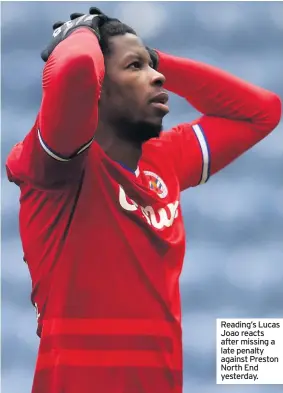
(105, 246)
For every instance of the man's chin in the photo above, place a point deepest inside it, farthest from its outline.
(149, 130)
(141, 131)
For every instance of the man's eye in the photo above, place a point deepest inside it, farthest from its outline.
(135, 65)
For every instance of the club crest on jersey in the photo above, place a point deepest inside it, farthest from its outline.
(156, 184)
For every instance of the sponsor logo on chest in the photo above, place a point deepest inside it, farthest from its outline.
(159, 219)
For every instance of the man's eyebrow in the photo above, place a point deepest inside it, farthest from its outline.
(139, 55)
(129, 55)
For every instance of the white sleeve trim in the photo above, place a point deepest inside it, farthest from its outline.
(58, 157)
(205, 153)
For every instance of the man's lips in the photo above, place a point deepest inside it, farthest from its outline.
(159, 101)
(160, 98)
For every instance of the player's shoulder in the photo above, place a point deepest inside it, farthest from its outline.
(156, 154)
(153, 150)
(161, 146)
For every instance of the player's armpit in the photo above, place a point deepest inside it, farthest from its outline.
(204, 147)
(53, 152)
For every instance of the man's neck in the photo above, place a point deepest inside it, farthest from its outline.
(122, 151)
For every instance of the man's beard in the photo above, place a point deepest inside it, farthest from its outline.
(138, 132)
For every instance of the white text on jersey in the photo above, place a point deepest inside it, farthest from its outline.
(159, 219)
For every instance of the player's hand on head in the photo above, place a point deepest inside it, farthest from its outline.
(61, 30)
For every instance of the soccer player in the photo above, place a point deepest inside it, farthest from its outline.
(100, 218)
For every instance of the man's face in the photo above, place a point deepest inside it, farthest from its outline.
(132, 96)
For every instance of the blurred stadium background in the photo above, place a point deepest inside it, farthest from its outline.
(234, 259)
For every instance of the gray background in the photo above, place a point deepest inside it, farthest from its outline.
(234, 260)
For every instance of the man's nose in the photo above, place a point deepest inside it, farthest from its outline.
(158, 79)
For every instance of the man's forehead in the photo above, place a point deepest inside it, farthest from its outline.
(122, 44)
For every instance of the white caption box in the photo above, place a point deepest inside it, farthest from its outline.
(249, 351)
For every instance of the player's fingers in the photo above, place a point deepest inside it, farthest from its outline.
(75, 15)
(103, 19)
(95, 11)
(57, 24)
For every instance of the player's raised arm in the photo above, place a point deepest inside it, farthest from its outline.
(53, 152)
(236, 115)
